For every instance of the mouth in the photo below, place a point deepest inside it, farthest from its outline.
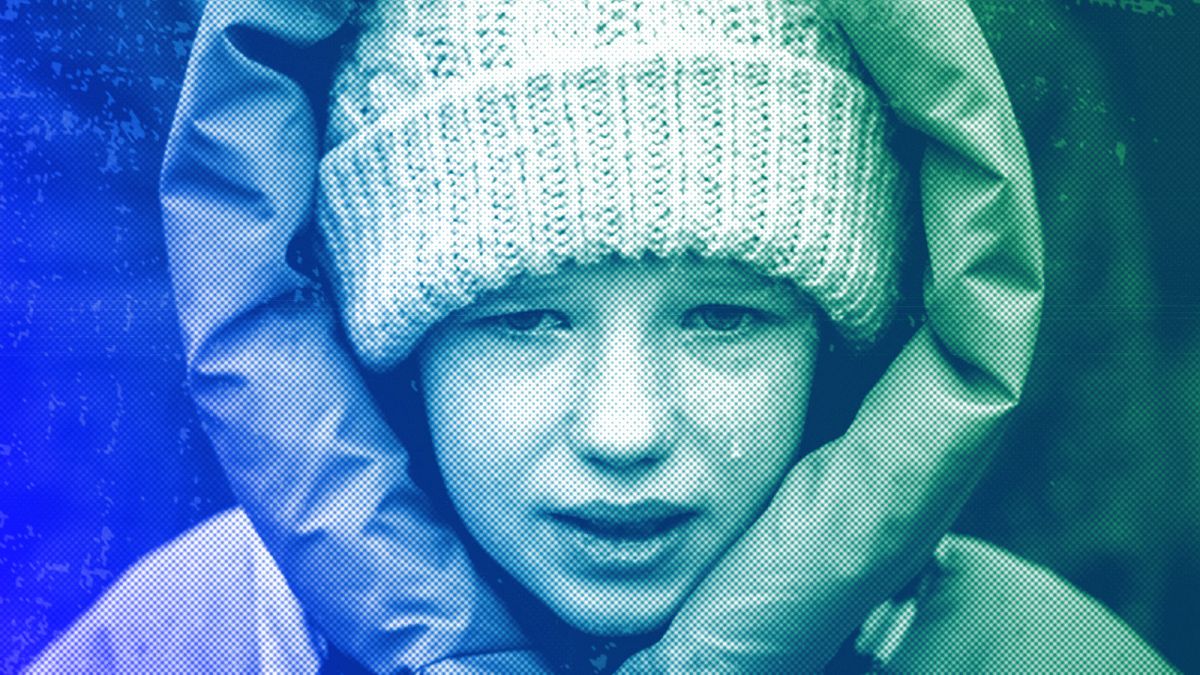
(622, 538)
(620, 528)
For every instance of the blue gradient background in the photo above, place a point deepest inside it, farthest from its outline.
(101, 458)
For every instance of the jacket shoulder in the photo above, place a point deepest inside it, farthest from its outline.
(990, 611)
(181, 608)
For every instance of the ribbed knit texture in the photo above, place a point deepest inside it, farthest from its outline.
(476, 140)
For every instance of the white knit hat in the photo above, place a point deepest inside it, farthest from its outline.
(475, 140)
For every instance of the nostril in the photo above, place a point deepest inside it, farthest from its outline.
(624, 436)
(622, 461)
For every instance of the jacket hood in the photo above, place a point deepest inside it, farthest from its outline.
(324, 479)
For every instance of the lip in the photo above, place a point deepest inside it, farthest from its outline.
(612, 538)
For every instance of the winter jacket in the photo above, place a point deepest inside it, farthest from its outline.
(213, 601)
(325, 480)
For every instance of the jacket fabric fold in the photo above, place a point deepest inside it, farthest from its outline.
(324, 480)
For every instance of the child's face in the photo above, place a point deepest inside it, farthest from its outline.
(607, 431)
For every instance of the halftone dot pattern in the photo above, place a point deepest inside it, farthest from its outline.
(891, 629)
(738, 131)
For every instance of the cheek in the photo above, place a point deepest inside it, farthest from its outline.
(488, 425)
(753, 422)
(757, 410)
(480, 464)
(484, 398)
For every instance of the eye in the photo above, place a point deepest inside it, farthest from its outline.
(721, 318)
(532, 321)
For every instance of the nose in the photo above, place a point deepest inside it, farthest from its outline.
(622, 420)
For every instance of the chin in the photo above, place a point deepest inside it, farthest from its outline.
(609, 615)
(615, 624)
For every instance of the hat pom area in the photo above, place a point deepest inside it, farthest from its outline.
(477, 140)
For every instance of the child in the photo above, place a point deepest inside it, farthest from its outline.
(608, 242)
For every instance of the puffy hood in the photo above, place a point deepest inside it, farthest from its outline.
(324, 479)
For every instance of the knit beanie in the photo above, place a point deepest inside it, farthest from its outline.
(472, 141)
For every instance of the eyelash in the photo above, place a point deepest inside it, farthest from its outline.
(699, 318)
(505, 322)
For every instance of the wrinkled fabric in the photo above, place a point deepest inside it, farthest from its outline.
(320, 473)
(325, 481)
(854, 520)
(210, 601)
(213, 601)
